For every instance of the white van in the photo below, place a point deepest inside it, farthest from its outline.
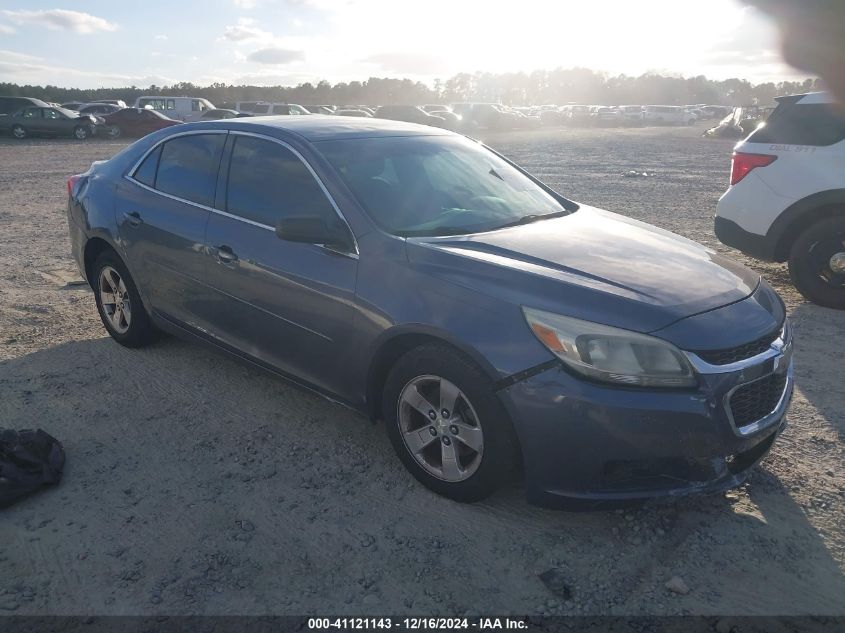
(179, 108)
(667, 115)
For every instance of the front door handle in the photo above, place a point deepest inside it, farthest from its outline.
(225, 255)
(133, 218)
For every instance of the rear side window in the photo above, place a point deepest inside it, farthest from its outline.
(187, 167)
(146, 172)
(796, 124)
(268, 182)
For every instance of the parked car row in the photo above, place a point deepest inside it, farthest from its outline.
(117, 120)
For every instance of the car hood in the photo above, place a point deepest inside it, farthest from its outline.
(591, 264)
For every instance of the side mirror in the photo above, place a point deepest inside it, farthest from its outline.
(315, 230)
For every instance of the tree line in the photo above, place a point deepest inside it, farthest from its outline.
(559, 86)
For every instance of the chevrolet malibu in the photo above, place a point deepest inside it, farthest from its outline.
(497, 328)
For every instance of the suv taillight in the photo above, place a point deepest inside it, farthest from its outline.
(742, 164)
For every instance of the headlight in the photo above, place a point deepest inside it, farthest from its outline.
(611, 354)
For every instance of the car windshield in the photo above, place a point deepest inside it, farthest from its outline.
(437, 185)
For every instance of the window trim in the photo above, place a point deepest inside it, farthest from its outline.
(130, 173)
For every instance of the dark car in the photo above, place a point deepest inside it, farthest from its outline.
(136, 122)
(10, 105)
(98, 109)
(419, 277)
(357, 113)
(49, 121)
(222, 113)
(410, 114)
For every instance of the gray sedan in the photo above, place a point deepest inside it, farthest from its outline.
(37, 121)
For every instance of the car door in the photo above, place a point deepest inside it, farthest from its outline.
(32, 119)
(162, 209)
(55, 122)
(287, 304)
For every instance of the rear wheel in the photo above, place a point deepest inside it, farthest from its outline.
(114, 131)
(446, 424)
(119, 303)
(817, 263)
(18, 131)
(80, 132)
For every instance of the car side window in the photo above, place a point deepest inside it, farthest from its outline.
(268, 182)
(49, 113)
(32, 113)
(146, 172)
(187, 167)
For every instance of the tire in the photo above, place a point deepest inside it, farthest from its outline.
(478, 433)
(133, 326)
(114, 131)
(817, 263)
(19, 132)
(80, 132)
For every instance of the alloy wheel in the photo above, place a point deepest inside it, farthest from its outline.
(18, 132)
(115, 300)
(440, 428)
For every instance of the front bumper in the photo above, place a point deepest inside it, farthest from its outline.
(587, 445)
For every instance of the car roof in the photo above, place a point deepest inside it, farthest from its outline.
(326, 127)
(807, 98)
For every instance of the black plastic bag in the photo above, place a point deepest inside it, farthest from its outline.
(29, 460)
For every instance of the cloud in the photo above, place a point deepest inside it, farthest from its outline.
(413, 63)
(245, 4)
(245, 30)
(275, 55)
(5, 29)
(160, 37)
(61, 20)
(13, 57)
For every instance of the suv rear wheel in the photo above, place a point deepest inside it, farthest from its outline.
(817, 263)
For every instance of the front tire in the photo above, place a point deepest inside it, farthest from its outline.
(80, 133)
(447, 425)
(817, 263)
(119, 303)
(19, 132)
(114, 131)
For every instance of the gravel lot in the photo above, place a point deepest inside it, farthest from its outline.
(195, 485)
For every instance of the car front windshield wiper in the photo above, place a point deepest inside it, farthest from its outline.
(531, 217)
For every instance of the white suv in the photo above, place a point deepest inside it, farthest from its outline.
(786, 200)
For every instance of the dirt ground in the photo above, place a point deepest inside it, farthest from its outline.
(195, 485)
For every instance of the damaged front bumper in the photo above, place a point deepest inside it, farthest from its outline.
(589, 445)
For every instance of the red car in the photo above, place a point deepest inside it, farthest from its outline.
(135, 122)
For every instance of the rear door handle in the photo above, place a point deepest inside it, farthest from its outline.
(133, 217)
(225, 255)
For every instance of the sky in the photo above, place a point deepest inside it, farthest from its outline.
(93, 43)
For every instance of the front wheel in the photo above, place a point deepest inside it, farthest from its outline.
(446, 424)
(817, 263)
(80, 132)
(19, 131)
(119, 303)
(114, 131)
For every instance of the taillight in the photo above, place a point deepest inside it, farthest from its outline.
(742, 164)
(71, 183)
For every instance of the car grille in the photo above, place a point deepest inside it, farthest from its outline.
(757, 399)
(741, 352)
